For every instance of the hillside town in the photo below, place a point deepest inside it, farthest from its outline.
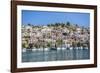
(55, 36)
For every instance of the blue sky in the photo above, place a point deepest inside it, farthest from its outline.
(45, 17)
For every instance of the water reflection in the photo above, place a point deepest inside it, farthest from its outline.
(55, 55)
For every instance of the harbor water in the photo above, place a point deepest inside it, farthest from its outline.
(30, 55)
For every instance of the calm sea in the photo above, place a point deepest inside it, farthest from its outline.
(55, 55)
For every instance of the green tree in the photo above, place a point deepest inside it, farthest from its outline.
(29, 24)
(48, 44)
(59, 41)
(68, 23)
